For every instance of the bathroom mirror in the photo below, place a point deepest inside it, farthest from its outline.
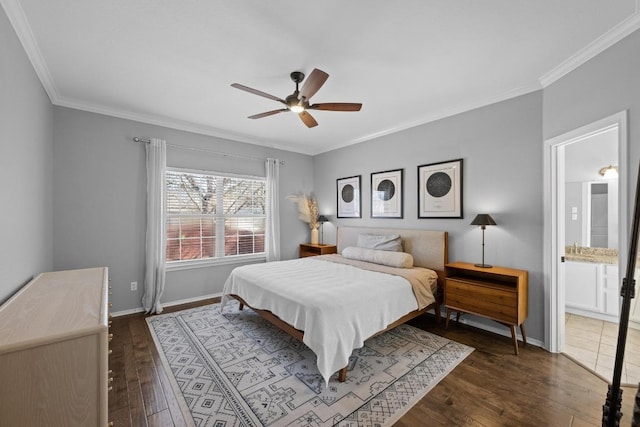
(592, 214)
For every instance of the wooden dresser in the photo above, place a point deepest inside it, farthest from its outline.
(54, 346)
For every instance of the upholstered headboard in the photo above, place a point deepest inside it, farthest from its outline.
(429, 248)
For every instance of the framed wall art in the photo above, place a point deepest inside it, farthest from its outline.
(348, 195)
(440, 190)
(386, 194)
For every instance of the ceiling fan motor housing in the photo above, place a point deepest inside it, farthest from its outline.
(297, 76)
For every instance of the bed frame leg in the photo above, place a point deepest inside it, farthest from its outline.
(342, 374)
(438, 314)
(241, 306)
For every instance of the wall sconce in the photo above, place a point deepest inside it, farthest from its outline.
(483, 220)
(609, 172)
(322, 219)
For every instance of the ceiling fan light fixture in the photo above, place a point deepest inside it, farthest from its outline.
(299, 100)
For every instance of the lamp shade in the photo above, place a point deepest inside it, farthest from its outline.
(322, 219)
(483, 219)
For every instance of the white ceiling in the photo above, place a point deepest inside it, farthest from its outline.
(171, 62)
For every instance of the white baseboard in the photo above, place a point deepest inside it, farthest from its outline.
(168, 304)
(194, 299)
(126, 312)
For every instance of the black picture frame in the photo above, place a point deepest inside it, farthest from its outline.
(387, 190)
(440, 190)
(348, 197)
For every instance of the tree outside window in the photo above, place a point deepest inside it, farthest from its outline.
(213, 216)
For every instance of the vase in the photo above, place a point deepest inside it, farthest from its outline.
(314, 236)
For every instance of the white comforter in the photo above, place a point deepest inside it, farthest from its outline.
(337, 306)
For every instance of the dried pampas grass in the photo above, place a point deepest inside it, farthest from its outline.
(307, 209)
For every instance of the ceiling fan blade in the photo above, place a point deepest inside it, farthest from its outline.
(307, 119)
(256, 92)
(336, 106)
(312, 84)
(268, 113)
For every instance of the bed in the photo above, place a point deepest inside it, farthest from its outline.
(333, 303)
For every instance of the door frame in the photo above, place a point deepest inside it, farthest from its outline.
(553, 228)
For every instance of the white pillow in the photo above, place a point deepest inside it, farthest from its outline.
(391, 259)
(381, 242)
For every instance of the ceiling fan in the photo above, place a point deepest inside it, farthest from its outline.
(298, 101)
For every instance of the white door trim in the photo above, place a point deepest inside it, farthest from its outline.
(553, 240)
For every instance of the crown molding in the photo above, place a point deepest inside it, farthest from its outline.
(18, 19)
(608, 39)
(463, 108)
(178, 125)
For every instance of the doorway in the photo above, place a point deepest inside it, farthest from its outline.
(555, 225)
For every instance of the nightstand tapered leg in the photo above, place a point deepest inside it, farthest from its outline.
(446, 323)
(524, 336)
(514, 338)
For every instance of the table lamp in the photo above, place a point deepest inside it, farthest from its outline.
(483, 220)
(322, 219)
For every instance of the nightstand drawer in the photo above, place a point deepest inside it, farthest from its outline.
(470, 304)
(484, 293)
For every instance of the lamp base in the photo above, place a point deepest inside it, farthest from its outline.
(484, 265)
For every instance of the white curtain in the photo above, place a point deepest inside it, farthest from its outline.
(156, 222)
(272, 227)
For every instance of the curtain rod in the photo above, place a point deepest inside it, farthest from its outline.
(205, 150)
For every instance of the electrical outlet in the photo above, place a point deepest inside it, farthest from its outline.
(134, 286)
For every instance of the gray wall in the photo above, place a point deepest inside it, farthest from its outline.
(605, 85)
(26, 118)
(502, 175)
(99, 182)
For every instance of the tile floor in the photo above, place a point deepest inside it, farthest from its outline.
(592, 343)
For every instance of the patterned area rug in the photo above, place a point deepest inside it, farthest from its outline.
(236, 369)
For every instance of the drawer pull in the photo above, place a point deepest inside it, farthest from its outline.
(110, 337)
(110, 372)
(110, 424)
(110, 351)
(110, 388)
(110, 380)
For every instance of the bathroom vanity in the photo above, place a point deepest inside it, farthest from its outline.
(592, 289)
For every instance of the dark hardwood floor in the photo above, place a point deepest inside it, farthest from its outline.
(491, 387)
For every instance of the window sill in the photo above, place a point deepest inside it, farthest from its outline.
(239, 259)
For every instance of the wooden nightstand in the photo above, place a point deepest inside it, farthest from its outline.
(310, 249)
(497, 293)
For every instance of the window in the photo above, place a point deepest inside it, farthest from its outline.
(213, 216)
